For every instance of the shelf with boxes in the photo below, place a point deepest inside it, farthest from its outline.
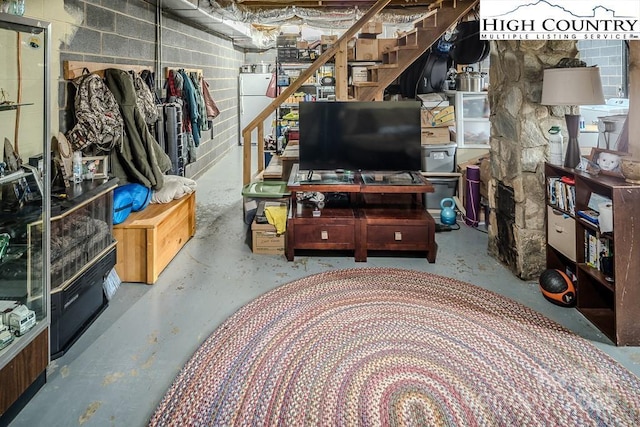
(438, 151)
(319, 87)
(592, 236)
(365, 53)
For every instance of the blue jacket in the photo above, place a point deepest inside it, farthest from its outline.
(189, 95)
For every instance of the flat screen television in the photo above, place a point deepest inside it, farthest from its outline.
(367, 136)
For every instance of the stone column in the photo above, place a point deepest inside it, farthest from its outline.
(520, 145)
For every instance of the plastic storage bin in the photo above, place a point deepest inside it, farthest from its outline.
(439, 158)
(443, 187)
(254, 192)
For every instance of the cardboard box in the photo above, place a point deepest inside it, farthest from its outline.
(435, 136)
(359, 74)
(265, 240)
(385, 45)
(286, 40)
(302, 44)
(351, 53)
(351, 49)
(328, 40)
(437, 117)
(372, 27)
(366, 49)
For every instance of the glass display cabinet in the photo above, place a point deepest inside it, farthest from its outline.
(24, 210)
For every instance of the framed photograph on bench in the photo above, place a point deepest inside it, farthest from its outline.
(608, 161)
(95, 167)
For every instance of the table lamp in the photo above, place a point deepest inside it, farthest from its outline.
(572, 87)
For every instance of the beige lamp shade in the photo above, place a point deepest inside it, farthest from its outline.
(572, 86)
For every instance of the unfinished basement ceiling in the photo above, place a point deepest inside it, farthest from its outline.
(322, 13)
(253, 24)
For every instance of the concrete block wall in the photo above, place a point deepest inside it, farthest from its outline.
(124, 32)
(611, 57)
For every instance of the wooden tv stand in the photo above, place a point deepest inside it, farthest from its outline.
(363, 212)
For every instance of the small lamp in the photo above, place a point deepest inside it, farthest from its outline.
(572, 87)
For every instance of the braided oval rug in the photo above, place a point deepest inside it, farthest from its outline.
(376, 347)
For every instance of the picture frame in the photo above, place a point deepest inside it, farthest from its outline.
(608, 161)
(95, 167)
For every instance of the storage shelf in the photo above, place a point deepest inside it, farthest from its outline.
(602, 318)
(312, 90)
(598, 276)
(611, 306)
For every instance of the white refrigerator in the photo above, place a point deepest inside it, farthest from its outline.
(253, 100)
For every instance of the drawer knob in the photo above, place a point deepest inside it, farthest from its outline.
(398, 235)
(324, 235)
(559, 229)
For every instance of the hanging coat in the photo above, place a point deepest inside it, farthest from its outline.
(140, 158)
(212, 108)
(202, 109)
(189, 96)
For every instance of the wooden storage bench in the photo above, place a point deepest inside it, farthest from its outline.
(148, 240)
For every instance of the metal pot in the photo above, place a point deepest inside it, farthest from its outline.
(469, 80)
(248, 68)
(262, 68)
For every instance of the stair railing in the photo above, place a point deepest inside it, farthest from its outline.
(338, 49)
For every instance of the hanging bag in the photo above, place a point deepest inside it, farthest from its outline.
(272, 89)
(467, 47)
(98, 119)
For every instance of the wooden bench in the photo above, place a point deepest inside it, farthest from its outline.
(148, 240)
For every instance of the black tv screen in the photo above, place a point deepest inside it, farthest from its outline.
(368, 136)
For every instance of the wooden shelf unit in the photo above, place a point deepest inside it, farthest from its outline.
(613, 307)
(370, 217)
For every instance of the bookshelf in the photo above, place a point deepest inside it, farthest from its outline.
(604, 265)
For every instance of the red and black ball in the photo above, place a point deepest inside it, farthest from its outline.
(557, 287)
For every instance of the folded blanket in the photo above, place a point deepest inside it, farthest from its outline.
(174, 188)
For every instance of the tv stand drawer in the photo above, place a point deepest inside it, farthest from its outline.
(397, 237)
(325, 236)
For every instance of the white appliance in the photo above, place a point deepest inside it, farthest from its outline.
(253, 100)
(591, 114)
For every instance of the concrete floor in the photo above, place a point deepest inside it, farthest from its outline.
(118, 371)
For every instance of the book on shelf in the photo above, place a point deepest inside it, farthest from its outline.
(590, 215)
(595, 248)
(562, 193)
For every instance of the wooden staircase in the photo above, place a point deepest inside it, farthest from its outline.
(410, 46)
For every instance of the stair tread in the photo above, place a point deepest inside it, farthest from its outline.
(417, 30)
(365, 84)
(403, 47)
(382, 66)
